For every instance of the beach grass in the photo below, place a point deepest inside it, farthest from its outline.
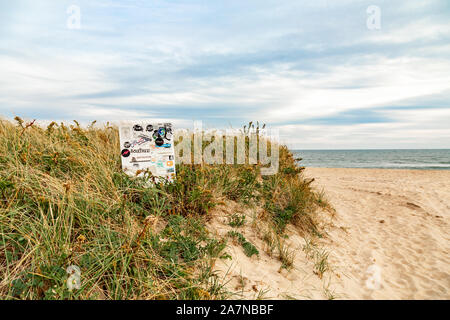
(65, 201)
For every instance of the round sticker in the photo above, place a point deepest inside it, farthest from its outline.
(125, 153)
(159, 141)
(127, 144)
(169, 163)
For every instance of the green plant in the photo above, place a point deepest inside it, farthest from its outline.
(249, 248)
(65, 201)
(318, 256)
(236, 220)
(285, 254)
(321, 262)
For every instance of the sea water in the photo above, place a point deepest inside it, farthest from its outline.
(425, 159)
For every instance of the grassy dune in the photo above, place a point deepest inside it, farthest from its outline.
(65, 201)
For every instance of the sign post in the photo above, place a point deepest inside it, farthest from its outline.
(147, 147)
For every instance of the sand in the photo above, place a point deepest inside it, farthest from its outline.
(263, 277)
(391, 222)
(387, 239)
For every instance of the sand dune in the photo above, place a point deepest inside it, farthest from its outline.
(392, 225)
(263, 276)
(388, 239)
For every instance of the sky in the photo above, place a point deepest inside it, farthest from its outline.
(327, 74)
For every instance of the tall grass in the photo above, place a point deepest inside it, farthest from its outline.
(65, 201)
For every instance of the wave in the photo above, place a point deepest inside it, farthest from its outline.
(395, 159)
(418, 165)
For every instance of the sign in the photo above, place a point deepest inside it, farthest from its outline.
(147, 147)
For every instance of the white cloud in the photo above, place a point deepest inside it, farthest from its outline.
(365, 136)
(391, 80)
(139, 59)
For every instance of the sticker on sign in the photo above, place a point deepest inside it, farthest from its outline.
(147, 147)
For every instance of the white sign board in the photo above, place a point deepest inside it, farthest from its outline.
(147, 146)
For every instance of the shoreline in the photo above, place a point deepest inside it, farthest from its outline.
(404, 159)
(380, 168)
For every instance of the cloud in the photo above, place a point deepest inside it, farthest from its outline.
(311, 66)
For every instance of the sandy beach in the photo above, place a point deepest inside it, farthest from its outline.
(388, 238)
(391, 225)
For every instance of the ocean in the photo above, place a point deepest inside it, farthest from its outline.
(424, 159)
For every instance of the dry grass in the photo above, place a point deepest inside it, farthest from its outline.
(65, 200)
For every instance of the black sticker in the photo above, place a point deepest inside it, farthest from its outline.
(127, 144)
(149, 128)
(159, 141)
(137, 127)
(125, 153)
